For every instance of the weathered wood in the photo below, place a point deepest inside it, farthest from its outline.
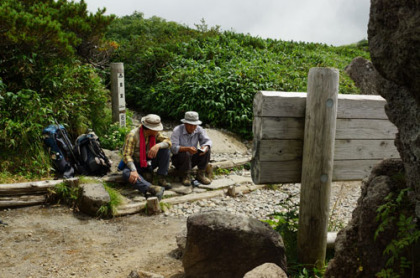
(365, 129)
(285, 150)
(265, 172)
(268, 128)
(352, 170)
(153, 206)
(292, 105)
(277, 150)
(118, 93)
(27, 188)
(23, 200)
(364, 149)
(278, 128)
(317, 165)
(231, 191)
(361, 107)
(268, 172)
(269, 104)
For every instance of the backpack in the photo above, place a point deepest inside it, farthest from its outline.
(90, 155)
(58, 144)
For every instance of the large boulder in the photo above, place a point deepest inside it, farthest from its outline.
(267, 270)
(362, 72)
(93, 196)
(394, 40)
(357, 254)
(228, 246)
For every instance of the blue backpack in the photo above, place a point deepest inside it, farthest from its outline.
(58, 144)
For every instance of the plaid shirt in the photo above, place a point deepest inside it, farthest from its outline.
(131, 151)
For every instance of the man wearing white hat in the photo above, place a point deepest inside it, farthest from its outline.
(146, 149)
(186, 153)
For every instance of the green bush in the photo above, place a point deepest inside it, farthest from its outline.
(49, 54)
(212, 72)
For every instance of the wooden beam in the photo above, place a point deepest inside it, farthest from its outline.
(279, 104)
(292, 105)
(317, 165)
(27, 188)
(274, 172)
(361, 107)
(365, 149)
(278, 128)
(277, 150)
(23, 200)
(371, 129)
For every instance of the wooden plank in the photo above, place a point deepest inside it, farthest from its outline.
(292, 104)
(365, 129)
(350, 170)
(365, 149)
(27, 188)
(279, 104)
(278, 128)
(290, 171)
(264, 172)
(293, 128)
(277, 150)
(361, 107)
(286, 150)
(25, 200)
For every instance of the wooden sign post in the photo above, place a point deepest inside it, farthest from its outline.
(118, 93)
(317, 165)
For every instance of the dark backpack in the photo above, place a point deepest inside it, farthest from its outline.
(58, 144)
(90, 155)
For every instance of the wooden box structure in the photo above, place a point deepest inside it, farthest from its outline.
(364, 136)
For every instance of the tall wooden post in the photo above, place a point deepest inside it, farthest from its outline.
(317, 165)
(118, 93)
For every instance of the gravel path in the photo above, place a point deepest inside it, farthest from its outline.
(262, 203)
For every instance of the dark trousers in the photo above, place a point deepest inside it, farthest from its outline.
(161, 161)
(185, 161)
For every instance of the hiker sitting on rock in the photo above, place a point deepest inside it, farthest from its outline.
(145, 149)
(185, 139)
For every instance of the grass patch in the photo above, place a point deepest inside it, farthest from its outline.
(110, 209)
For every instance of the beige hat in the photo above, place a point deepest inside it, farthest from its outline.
(152, 122)
(191, 117)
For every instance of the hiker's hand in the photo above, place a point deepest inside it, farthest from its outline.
(134, 176)
(204, 150)
(153, 151)
(192, 150)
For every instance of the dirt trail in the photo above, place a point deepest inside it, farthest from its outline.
(55, 242)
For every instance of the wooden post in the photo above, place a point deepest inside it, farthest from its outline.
(231, 191)
(317, 165)
(153, 206)
(118, 93)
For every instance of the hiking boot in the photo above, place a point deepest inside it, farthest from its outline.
(148, 176)
(186, 179)
(156, 191)
(163, 182)
(201, 177)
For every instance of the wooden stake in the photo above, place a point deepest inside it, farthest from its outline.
(317, 165)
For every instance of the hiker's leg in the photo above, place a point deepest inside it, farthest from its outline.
(161, 161)
(141, 185)
(201, 161)
(182, 161)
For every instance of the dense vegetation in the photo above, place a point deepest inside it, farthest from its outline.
(171, 69)
(48, 54)
(54, 59)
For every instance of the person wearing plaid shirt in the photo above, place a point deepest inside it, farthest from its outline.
(146, 149)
